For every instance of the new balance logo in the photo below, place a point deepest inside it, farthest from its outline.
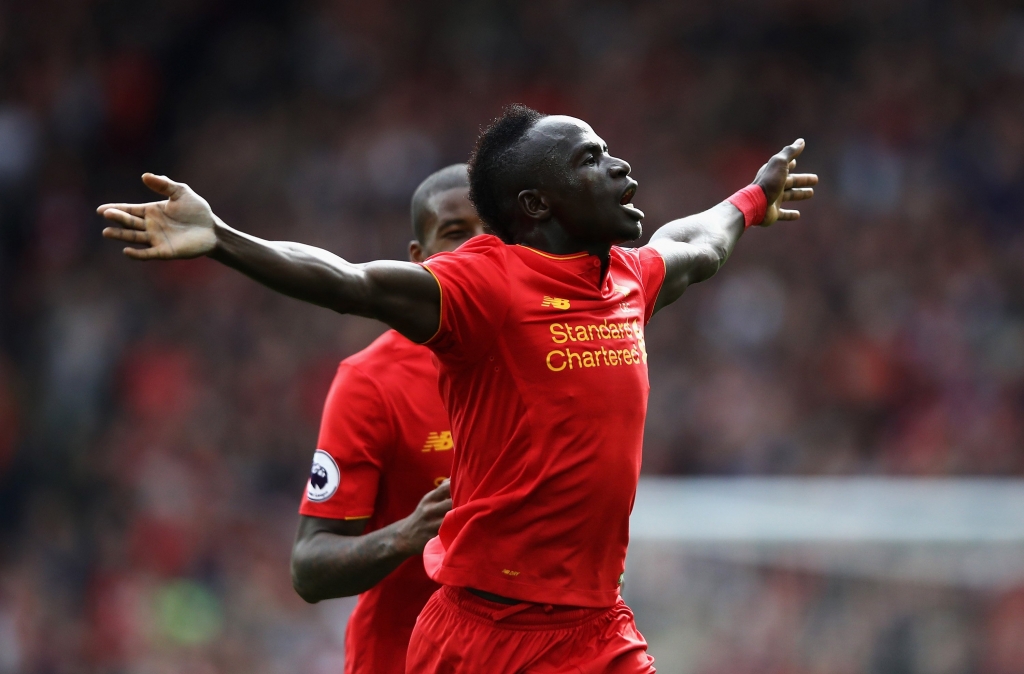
(438, 442)
(555, 302)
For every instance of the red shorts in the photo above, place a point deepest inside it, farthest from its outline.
(460, 633)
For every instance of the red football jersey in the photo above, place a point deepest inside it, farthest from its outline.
(544, 374)
(385, 441)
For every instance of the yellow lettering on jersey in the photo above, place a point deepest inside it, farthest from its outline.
(510, 572)
(640, 341)
(555, 302)
(438, 442)
(563, 333)
(620, 289)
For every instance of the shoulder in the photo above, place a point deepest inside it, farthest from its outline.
(620, 254)
(646, 266)
(478, 266)
(636, 259)
(480, 249)
(483, 243)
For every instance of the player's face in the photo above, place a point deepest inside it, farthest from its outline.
(591, 194)
(451, 221)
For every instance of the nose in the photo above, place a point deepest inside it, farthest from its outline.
(620, 168)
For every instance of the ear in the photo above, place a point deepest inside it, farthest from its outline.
(415, 251)
(534, 205)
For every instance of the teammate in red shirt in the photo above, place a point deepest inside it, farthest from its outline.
(539, 335)
(385, 441)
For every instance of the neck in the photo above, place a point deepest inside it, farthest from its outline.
(551, 237)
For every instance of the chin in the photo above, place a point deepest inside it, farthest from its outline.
(634, 230)
(616, 231)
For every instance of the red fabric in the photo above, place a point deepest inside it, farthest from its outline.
(544, 373)
(433, 555)
(459, 633)
(385, 427)
(752, 202)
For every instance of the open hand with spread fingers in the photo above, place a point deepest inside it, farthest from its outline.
(180, 227)
(780, 184)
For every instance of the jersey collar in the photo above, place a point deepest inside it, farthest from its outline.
(552, 256)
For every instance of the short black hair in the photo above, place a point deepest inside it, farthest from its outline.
(494, 165)
(448, 178)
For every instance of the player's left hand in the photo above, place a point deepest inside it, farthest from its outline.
(780, 184)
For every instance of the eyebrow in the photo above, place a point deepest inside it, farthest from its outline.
(588, 148)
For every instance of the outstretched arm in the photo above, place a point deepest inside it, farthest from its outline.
(331, 558)
(694, 248)
(401, 294)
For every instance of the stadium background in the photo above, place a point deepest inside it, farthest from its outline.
(156, 421)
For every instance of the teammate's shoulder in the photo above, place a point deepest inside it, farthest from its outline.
(393, 365)
(387, 348)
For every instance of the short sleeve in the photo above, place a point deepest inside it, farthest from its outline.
(475, 298)
(356, 432)
(649, 266)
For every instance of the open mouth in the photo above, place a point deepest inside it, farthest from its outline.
(625, 201)
(627, 196)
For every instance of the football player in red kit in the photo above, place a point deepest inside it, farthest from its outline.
(385, 441)
(539, 332)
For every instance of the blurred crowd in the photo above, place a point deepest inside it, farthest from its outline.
(157, 421)
(704, 615)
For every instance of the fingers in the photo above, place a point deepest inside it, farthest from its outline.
(801, 180)
(788, 215)
(163, 185)
(124, 219)
(438, 493)
(128, 235)
(791, 152)
(798, 194)
(142, 253)
(437, 511)
(134, 209)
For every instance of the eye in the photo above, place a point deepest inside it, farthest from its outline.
(590, 161)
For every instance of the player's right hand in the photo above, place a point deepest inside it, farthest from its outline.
(424, 522)
(180, 227)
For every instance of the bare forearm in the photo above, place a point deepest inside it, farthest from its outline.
(306, 273)
(695, 248)
(401, 294)
(718, 228)
(326, 565)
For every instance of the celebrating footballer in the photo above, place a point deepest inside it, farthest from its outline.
(538, 333)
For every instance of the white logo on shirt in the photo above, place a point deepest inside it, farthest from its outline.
(324, 477)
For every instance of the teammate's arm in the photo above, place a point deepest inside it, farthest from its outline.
(694, 248)
(401, 294)
(331, 558)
